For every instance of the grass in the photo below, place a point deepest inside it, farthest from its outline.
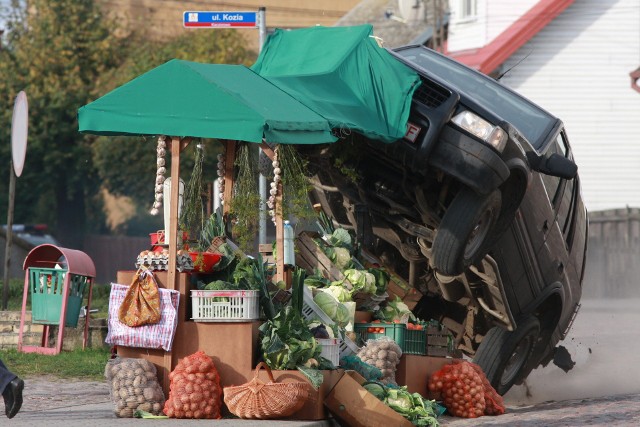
(86, 364)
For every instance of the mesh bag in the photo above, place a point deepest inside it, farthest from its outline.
(493, 401)
(384, 354)
(194, 390)
(259, 400)
(461, 389)
(133, 386)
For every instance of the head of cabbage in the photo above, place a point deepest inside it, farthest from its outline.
(336, 311)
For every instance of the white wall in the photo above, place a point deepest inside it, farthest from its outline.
(494, 16)
(578, 69)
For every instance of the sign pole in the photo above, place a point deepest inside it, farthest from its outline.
(19, 130)
(8, 237)
(262, 180)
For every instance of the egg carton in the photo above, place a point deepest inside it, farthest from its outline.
(159, 261)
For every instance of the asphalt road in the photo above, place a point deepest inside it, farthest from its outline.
(602, 389)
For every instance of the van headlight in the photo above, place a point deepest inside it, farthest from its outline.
(482, 129)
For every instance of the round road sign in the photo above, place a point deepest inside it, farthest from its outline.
(19, 128)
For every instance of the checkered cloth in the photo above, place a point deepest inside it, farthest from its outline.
(157, 335)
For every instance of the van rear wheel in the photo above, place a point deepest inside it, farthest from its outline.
(503, 354)
(465, 231)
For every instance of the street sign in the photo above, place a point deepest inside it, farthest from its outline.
(195, 19)
(19, 126)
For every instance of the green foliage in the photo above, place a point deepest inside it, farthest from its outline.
(85, 364)
(296, 188)
(67, 56)
(56, 59)
(245, 203)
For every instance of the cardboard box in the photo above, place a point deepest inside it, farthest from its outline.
(414, 371)
(313, 408)
(354, 406)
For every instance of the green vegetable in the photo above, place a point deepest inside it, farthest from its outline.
(144, 414)
(377, 389)
(396, 310)
(399, 400)
(340, 238)
(336, 311)
(341, 258)
(418, 410)
(339, 292)
(362, 281)
(382, 279)
(316, 281)
(327, 303)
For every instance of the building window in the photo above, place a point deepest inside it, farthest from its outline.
(467, 10)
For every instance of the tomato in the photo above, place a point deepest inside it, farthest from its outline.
(418, 328)
(371, 330)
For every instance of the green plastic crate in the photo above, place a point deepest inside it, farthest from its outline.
(46, 286)
(395, 331)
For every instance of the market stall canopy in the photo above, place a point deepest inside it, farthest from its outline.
(184, 98)
(342, 74)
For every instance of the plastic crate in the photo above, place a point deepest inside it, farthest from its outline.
(311, 311)
(46, 287)
(395, 331)
(224, 306)
(330, 349)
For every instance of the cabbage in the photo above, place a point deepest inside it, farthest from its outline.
(342, 316)
(327, 303)
(362, 281)
(337, 312)
(342, 258)
(339, 292)
(396, 310)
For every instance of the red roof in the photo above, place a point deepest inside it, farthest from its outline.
(489, 57)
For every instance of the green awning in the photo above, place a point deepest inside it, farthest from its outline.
(342, 74)
(183, 98)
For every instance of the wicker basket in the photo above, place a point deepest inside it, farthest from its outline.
(259, 400)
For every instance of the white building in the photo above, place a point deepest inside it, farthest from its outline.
(573, 58)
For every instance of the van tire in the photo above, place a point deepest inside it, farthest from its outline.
(503, 354)
(465, 232)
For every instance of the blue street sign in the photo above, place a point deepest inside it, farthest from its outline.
(194, 19)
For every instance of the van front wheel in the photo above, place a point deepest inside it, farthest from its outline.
(465, 231)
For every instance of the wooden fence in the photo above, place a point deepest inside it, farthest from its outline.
(613, 256)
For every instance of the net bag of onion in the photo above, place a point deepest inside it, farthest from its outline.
(133, 386)
(465, 391)
(194, 390)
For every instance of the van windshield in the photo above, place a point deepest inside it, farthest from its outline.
(532, 121)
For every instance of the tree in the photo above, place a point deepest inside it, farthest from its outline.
(56, 52)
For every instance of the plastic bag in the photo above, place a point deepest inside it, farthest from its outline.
(141, 305)
(134, 386)
(194, 391)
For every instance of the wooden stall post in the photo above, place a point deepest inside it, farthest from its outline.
(177, 146)
(230, 159)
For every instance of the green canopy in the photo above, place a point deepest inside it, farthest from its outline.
(183, 98)
(342, 74)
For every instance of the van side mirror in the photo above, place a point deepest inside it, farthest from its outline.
(554, 165)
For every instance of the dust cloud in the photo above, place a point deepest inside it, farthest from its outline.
(604, 343)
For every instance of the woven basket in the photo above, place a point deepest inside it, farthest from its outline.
(259, 400)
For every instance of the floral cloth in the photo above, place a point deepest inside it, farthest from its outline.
(141, 305)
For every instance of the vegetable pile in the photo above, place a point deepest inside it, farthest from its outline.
(134, 386)
(194, 391)
(463, 391)
(384, 354)
(412, 406)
